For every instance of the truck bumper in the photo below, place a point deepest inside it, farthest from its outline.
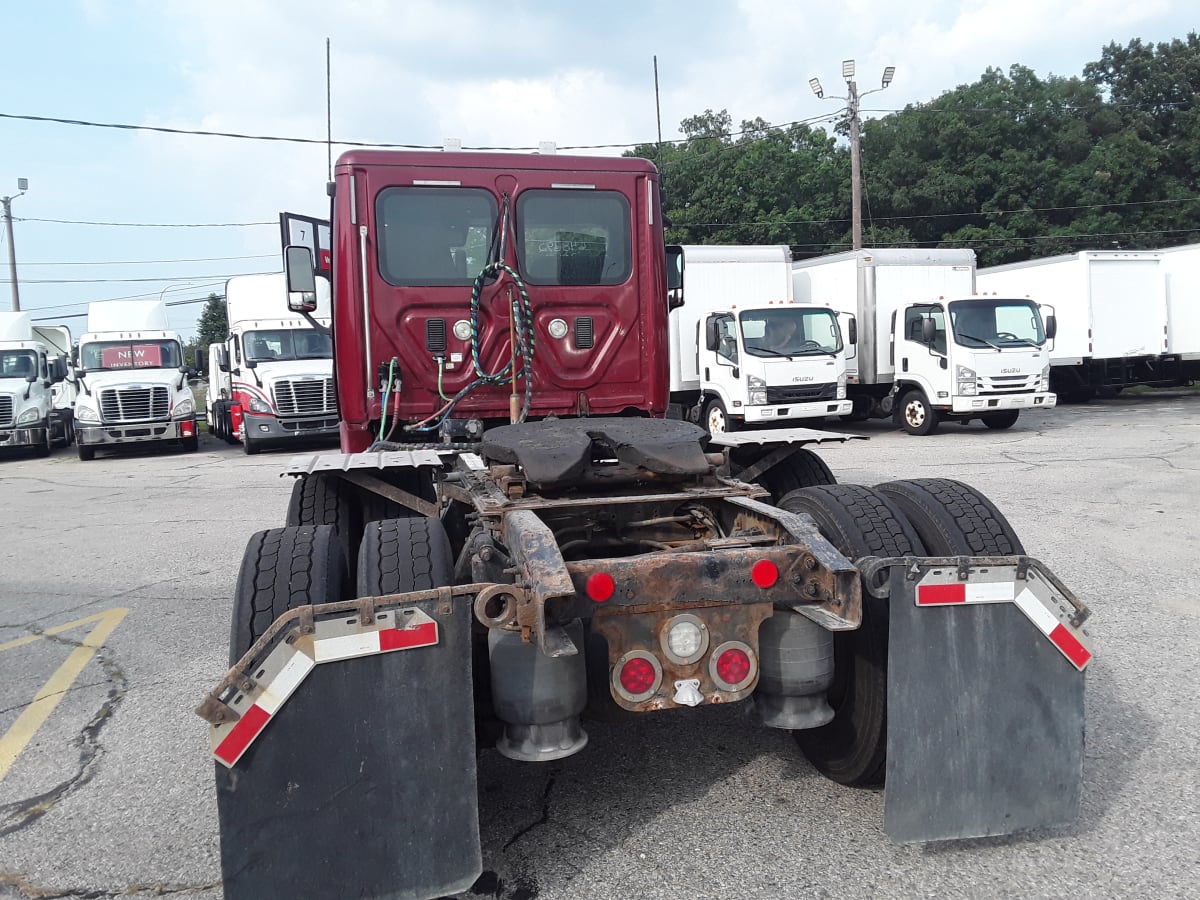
(32, 436)
(978, 406)
(812, 410)
(97, 435)
(280, 430)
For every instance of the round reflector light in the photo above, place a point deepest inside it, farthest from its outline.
(462, 329)
(638, 676)
(557, 328)
(764, 573)
(601, 587)
(733, 666)
(684, 638)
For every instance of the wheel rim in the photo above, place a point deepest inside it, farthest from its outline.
(914, 413)
(716, 420)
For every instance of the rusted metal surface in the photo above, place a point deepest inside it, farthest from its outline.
(632, 629)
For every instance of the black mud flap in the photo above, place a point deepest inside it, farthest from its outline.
(363, 783)
(985, 722)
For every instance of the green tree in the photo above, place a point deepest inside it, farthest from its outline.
(213, 324)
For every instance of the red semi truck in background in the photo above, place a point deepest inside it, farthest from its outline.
(514, 538)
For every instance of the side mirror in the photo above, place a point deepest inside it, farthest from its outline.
(32, 379)
(852, 331)
(674, 257)
(185, 370)
(712, 336)
(301, 279)
(928, 330)
(251, 364)
(58, 369)
(223, 359)
(1051, 327)
(80, 371)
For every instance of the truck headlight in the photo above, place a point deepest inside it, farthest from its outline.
(184, 407)
(757, 390)
(841, 387)
(966, 378)
(1044, 381)
(30, 415)
(86, 413)
(259, 406)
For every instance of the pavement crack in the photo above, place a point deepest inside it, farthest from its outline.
(542, 820)
(20, 814)
(30, 891)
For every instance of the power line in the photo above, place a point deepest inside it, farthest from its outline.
(151, 262)
(150, 224)
(159, 278)
(84, 315)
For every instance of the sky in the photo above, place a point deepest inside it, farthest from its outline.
(186, 212)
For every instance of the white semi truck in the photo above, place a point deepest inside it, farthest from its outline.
(928, 347)
(743, 352)
(133, 383)
(35, 398)
(1111, 307)
(271, 381)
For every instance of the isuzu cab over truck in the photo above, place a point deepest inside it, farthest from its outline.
(133, 384)
(271, 381)
(742, 352)
(514, 538)
(32, 371)
(930, 348)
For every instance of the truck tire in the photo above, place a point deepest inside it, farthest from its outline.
(375, 507)
(86, 453)
(716, 418)
(916, 415)
(46, 447)
(952, 518)
(282, 569)
(802, 469)
(858, 521)
(322, 499)
(1000, 421)
(227, 425)
(249, 447)
(190, 444)
(401, 555)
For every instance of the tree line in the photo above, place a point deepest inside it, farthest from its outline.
(1014, 166)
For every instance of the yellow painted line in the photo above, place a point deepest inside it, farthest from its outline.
(36, 713)
(57, 629)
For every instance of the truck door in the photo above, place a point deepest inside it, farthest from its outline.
(925, 362)
(719, 373)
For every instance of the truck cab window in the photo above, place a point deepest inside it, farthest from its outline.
(913, 318)
(574, 237)
(432, 236)
(997, 323)
(727, 332)
(17, 363)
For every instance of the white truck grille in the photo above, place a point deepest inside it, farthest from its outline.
(6, 410)
(1007, 384)
(134, 404)
(304, 396)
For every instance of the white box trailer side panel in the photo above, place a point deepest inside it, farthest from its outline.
(722, 277)
(1129, 306)
(57, 339)
(127, 315)
(1059, 282)
(15, 326)
(1181, 266)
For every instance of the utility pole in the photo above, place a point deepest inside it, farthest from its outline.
(22, 187)
(852, 98)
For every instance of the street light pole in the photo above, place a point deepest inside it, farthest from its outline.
(852, 106)
(22, 187)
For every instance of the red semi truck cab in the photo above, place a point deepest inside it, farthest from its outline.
(574, 298)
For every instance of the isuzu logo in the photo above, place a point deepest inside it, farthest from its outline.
(1010, 371)
(803, 378)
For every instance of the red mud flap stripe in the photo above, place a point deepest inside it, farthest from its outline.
(1047, 623)
(287, 665)
(982, 592)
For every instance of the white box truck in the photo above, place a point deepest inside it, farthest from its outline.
(743, 351)
(928, 347)
(1181, 268)
(35, 410)
(1111, 307)
(271, 381)
(133, 383)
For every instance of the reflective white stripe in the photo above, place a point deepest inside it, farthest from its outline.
(990, 592)
(346, 647)
(288, 679)
(1029, 604)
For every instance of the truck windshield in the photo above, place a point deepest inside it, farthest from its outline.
(430, 236)
(996, 323)
(148, 354)
(287, 343)
(790, 331)
(17, 363)
(574, 237)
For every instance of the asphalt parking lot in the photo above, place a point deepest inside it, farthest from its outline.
(114, 621)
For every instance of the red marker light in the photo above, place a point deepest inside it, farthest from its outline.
(600, 587)
(733, 666)
(638, 676)
(764, 573)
